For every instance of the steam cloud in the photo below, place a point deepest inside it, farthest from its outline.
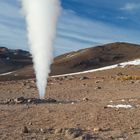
(41, 17)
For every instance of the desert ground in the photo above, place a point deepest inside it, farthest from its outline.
(103, 105)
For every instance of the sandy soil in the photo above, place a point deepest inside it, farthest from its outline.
(81, 110)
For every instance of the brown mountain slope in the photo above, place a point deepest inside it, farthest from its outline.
(5, 66)
(95, 57)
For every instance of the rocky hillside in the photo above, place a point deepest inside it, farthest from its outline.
(11, 60)
(95, 57)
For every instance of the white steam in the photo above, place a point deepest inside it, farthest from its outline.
(41, 17)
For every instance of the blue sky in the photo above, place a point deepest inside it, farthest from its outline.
(83, 23)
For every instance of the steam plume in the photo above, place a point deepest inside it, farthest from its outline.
(41, 17)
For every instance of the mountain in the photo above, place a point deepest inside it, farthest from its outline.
(11, 60)
(85, 59)
(95, 57)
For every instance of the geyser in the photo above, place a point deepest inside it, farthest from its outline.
(41, 17)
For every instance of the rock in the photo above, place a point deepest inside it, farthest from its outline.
(28, 86)
(51, 83)
(45, 138)
(19, 100)
(59, 78)
(50, 100)
(8, 91)
(29, 100)
(9, 101)
(85, 99)
(50, 130)
(84, 78)
(132, 82)
(58, 131)
(120, 139)
(131, 128)
(25, 130)
(42, 130)
(26, 106)
(97, 129)
(73, 132)
(86, 137)
(96, 82)
(98, 88)
(32, 81)
(65, 77)
(30, 123)
(120, 74)
(23, 84)
(84, 85)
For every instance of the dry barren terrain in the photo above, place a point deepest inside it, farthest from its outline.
(103, 105)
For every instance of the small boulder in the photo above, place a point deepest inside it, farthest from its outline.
(98, 88)
(84, 78)
(85, 99)
(32, 81)
(28, 87)
(25, 130)
(30, 123)
(42, 130)
(59, 130)
(97, 129)
(19, 100)
(73, 132)
(86, 137)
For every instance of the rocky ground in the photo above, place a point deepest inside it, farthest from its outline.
(103, 105)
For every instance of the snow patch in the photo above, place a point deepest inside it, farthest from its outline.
(120, 106)
(134, 62)
(6, 73)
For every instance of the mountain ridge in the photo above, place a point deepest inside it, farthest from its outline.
(97, 57)
(77, 61)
